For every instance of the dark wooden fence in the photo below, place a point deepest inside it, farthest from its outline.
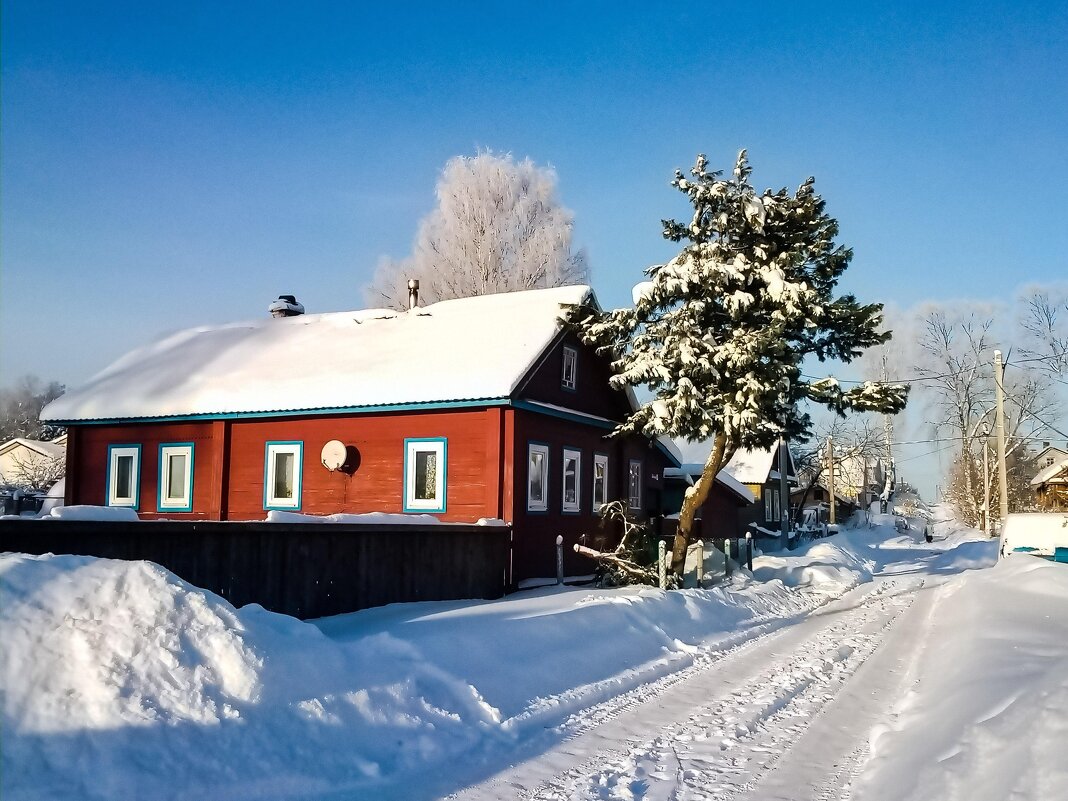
(303, 569)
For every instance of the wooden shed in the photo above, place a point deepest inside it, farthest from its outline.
(482, 407)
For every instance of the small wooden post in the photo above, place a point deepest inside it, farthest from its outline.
(559, 559)
(662, 571)
(749, 551)
(700, 562)
(727, 556)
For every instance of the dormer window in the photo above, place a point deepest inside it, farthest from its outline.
(567, 379)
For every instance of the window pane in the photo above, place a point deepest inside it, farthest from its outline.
(124, 477)
(598, 483)
(284, 468)
(426, 475)
(570, 489)
(175, 477)
(537, 481)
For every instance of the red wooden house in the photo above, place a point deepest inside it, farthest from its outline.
(483, 407)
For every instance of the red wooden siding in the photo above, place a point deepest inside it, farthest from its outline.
(88, 461)
(472, 471)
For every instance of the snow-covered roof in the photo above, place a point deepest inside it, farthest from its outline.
(1050, 472)
(51, 450)
(692, 470)
(754, 466)
(456, 350)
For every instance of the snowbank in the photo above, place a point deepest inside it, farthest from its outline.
(373, 518)
(987, 718)
(122, 681)
(80, 512)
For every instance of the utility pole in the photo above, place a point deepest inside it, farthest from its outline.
(830, 476)
(784, 491)
(986, 482)
(1003, 481)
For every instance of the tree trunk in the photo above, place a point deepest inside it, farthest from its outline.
(695, 496)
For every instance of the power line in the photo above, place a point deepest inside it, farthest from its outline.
(918, 378)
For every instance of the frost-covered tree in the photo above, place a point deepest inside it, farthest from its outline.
(20, 409)
(955, 359)
(498, 227)
(719, 333)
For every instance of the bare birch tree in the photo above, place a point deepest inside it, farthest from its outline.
(498, 227)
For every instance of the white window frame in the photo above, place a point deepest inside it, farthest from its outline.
(575, 506)
(543, 504)
(634, 501)
(270, 500)
(412, 447)
(116, 452)
(184, 503)
(600, 460)
(570, 361)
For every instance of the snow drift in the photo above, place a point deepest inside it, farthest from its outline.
(122, 681)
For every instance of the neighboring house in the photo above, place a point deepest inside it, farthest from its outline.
(820, 496)
(1051, 486)
(1048, 456)
(482, 407)
(17, 456)
(758, 470)
(721, 513)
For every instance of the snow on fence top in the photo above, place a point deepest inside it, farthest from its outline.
(468, 349)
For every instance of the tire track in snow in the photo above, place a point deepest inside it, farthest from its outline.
(713, 729)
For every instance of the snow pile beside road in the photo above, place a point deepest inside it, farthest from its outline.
(987, 718)
(122, 681)
(836, 562)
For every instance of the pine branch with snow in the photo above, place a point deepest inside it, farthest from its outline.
(718, 335)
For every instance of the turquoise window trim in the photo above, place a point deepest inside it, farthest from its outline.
(298, 476)
(444, 476)
(578, 480)
(188, 507)
(135, 479)
(317, 412)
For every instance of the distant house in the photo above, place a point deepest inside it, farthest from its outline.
(19, 455)
(1051, 486)
(722, 512)
(482, 407)
(1049, 455)
(758, 470)
(818, 496)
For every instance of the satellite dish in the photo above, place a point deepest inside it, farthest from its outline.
(333, 455)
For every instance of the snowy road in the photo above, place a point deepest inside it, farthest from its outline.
(786, 714)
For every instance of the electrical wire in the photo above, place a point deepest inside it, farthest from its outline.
(918, 378)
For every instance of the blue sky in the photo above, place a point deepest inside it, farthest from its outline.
(166, 165)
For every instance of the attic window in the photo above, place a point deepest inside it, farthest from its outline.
(176, 477)
(568, 378)
(124, 468)
(425, 473)
(282, 475)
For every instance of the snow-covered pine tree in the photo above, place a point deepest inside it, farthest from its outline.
(719, 333)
